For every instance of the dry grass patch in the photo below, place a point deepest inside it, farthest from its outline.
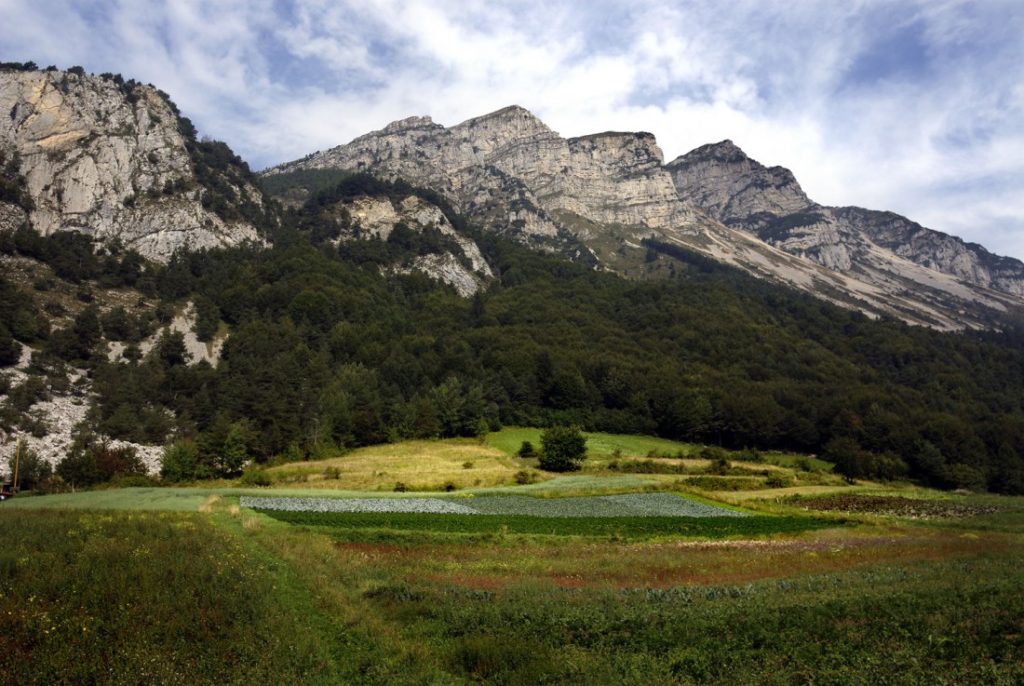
(416, 465)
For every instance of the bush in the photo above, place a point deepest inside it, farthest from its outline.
(524, 477)
(180, 462)
(32, 469)
(10, 351)
(778, 481)
(526, 450)
(255, 477)
(719, 465)
(563, 449)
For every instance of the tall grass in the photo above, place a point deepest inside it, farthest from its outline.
(114, 597)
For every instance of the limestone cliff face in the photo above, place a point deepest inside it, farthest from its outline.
(734, 188)
(107, 158)
(610, 191)
(462, 266)
(742, 193)
(511, 171)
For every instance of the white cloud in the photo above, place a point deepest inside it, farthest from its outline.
(913, 106)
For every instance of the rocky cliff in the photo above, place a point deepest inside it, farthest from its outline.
(610, 191)
(456, 260)
(510, 171)
(768, 201)
(113, 159)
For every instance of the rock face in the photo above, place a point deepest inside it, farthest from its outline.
(462, 266)
(734, 188)
(742, 193)
(610, 191)
(107, 158)
(510, 171)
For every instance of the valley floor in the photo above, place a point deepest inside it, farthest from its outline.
(185, 586)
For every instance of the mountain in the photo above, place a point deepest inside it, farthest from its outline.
(611, 192)
(768, 202)
(114, 159)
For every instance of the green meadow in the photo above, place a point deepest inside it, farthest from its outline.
(846, 584)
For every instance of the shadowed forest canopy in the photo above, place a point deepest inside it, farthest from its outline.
(325, 351)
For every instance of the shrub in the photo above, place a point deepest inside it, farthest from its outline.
(32, 469)
(255, 477)
(10, 351)
(526, 450)
(180, 462)
(563, 449)
(524, 477)
(719, 465)
(134, 481)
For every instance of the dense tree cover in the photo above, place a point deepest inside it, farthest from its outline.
(327, 352)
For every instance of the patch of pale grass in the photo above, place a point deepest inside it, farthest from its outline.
(419, 465)
(209, 503)
(250, 523)
(234, 510)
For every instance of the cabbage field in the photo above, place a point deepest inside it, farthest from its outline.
(627, 505)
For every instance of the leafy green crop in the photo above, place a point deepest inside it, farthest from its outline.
(629, 527)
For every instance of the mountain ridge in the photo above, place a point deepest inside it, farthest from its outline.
(610, 190)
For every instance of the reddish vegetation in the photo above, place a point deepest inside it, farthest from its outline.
(659, 565)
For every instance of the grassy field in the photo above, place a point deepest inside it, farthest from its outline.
(824, 583)
(416, 465)
(599, 445)
(615, 462)
(94, 597)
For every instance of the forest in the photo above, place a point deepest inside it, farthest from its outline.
(329, 352)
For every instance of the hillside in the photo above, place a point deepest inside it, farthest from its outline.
(374, 310)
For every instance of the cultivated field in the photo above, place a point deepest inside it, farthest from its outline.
(592, 578)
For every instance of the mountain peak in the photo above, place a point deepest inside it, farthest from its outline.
(722, 151)
(410, 123)
(512, 116)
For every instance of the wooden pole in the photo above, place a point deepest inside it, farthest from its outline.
(17, 462)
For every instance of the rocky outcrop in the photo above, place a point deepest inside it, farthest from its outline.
(609, 191)
(511, 172)
(60, 414)
(742, 193)
(11, 216)
(733, 188)
(462, 266)
(107, 158)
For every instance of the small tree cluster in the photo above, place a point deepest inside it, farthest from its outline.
(563, 449)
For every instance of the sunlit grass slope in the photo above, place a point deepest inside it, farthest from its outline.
(414, 465)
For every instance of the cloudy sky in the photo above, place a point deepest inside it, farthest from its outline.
(917, 107)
